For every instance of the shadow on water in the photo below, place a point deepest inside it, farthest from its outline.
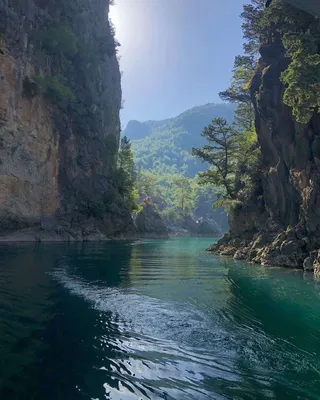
(26, 298)
(50, 342)
(153, 320)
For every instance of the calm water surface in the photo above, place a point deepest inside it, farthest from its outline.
(153, 320)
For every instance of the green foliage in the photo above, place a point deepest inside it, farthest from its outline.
(148, 185)
(55, 89)
(234, 159)
(125, 160)
(246, 141)
(183, 195)
(176, 196)
(165, 147)
(235, 166)
(131, 197)
(125, 175)
(242, 72)
(229, 205)
(254, 26)
(58, 40)
(121, 193)
(238, 92)
(248, 178)
(163, 154)
(221, 153)
(232, 151)
(302, 77)
(300, 34)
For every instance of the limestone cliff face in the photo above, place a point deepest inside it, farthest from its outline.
(56, 154)
(29, 150)
(282, 225)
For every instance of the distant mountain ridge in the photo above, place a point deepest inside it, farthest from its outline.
(165, 146)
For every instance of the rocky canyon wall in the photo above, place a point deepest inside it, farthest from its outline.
(60, 97)
(281, 226)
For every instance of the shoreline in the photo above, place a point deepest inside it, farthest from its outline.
(31, 235)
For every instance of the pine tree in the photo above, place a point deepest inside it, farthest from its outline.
(238, 92)
(222, 154)
(184, 195)
(126, 174)
(125, 159)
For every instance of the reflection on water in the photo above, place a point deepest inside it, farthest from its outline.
(153, 320)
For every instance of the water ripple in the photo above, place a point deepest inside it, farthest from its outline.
(154, 320)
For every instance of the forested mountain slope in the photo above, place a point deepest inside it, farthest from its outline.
(167, 171)
(166, 146)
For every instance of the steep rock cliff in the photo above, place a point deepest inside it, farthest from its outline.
(60, 96)
(149, 222)
(280, 226)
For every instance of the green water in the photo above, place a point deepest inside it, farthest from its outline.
(153, 320)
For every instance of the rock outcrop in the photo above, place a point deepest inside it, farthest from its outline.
(148, 221)
(60, 96)
(281, 226)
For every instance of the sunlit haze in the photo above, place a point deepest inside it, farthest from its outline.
(175, 54)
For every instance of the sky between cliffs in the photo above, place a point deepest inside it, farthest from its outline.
(175, 54)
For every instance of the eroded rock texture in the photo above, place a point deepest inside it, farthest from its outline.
(57, 154)
(281, 226)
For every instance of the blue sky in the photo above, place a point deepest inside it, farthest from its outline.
(175, 54)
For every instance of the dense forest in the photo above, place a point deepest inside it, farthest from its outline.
(167, 171)
(166, 146)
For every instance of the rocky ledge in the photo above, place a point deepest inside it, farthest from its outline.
(148, 221)
(291, 248)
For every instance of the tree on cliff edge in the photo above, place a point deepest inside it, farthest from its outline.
(125, 159)
(238, 91)
(126, 174)
(298, 33)
(222, 155)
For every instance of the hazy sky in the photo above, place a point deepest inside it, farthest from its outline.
(175, 54)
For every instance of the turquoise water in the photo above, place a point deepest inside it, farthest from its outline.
(154, 320)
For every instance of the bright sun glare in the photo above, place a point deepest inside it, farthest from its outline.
(114, 16)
